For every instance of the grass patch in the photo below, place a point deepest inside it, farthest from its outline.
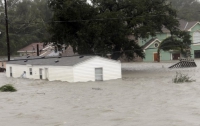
(7, 88)
(181, 78)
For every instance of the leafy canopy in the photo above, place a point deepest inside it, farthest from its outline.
(27, 23)
(105, 26)
(180, 41)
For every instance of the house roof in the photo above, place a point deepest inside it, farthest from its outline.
(146, 45)
(183, 25)
(69, 51)
(51, 61)
(32, 47)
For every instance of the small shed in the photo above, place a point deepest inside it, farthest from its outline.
(70, 69)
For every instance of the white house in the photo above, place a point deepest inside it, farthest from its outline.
(71, 69)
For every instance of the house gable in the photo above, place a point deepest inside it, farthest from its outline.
(153, 43)
(98, 57)
(195, 27)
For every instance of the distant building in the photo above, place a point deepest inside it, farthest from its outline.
(2, 64)
(44, 50)
(71, 69)
(68, 51)
(151, 44)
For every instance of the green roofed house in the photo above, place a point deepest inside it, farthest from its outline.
(151, 44)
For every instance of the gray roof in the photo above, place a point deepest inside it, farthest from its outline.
(148, 43)
(51, 61)
(183, 25)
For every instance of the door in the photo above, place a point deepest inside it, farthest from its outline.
(176, 56)
(46, 73)
(10, 71)
(155, 56)
(40, 73)
(98, 74)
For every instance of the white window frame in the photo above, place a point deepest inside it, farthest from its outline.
(30, 71)
(98, 74)
(196, 42)
(40, 72)
(11, 74)
(155, 44)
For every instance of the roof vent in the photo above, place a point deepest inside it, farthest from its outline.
(81, 56)
(56, 61)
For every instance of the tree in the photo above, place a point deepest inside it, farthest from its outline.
(27, 23)
(180, 41)
(103, 27)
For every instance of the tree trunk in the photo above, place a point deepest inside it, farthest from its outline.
(158, 52)
(116, 53)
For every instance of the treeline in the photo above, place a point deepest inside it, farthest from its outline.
(27, 23)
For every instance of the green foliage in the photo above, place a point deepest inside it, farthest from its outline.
(181, 78)
(7, 88)
(104, 26)
(179, 41)
(27, 23)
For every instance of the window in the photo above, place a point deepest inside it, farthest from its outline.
(98, 74)
(196, 37)
(156, 45)
(30, 70)
(11, 72)
(40, 72)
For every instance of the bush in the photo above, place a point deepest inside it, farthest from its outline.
(7, 88)
(181, 78)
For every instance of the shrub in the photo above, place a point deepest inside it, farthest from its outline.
(181, 78)
(7, 88)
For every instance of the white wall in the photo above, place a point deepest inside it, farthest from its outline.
(85, 71)
(62, 73)
(35, 72)
(81, 72)
(17, 70)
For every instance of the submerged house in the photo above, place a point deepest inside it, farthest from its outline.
(150, 45)
(70, 69)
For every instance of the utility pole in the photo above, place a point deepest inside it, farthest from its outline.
(7, 35)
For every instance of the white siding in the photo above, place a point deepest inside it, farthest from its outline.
(62, 73)
(81, 72)
(85, 71)
(17, 70)
(35, 72)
